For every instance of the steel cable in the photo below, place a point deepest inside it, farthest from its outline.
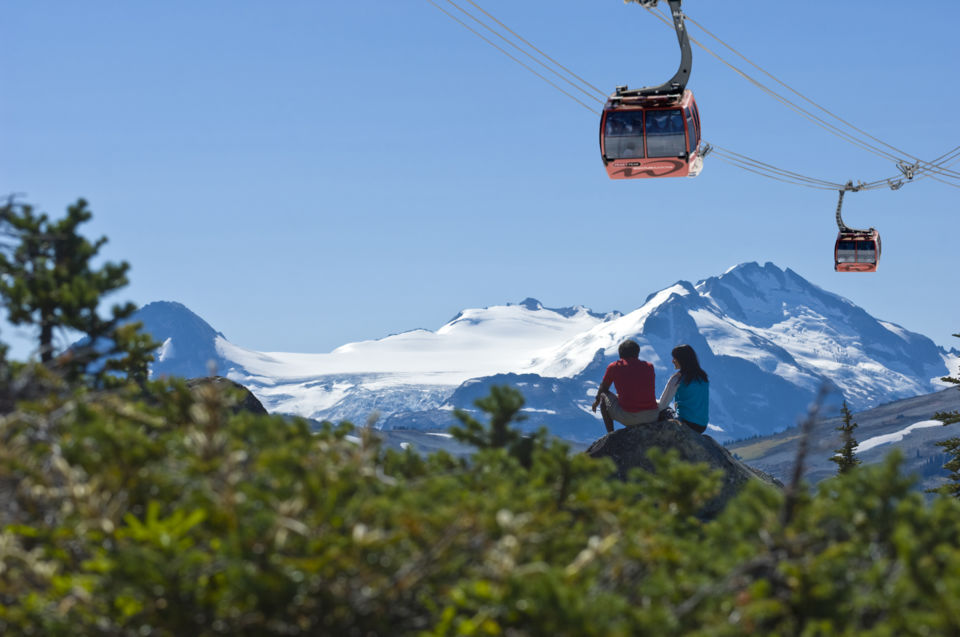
(743, 160)
(803, 112)
(507, 53)
(923, 169)
(933, 164)
(794, 91)
(519, 37)
(526, 53)
(768, 175)
(921, 164)
(947, 159)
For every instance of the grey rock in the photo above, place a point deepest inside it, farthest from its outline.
(244, 398)
(628, 449)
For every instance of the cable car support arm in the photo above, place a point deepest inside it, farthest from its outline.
(840, 224)
(676, 84)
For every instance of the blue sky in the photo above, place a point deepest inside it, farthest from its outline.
(304, 174)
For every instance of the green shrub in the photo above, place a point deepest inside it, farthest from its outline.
(172, 516)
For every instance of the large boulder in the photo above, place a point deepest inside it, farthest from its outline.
(628, 449)
(242, 398)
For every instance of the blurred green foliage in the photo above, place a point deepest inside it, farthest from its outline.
(173, 516)
(502, 407)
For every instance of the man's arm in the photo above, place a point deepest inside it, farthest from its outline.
(604, 388)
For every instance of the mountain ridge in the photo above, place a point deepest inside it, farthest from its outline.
(768, 338)
(902, 424)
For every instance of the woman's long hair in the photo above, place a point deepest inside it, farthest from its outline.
(690, 369)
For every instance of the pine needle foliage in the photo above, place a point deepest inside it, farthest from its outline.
(951, 445)
(176, 516)
(48, 281)
(949, 417)
(845, 457)
(502, 407)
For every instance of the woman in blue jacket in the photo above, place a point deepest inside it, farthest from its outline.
(691, 389)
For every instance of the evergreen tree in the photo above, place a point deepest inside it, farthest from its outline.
(845, 456)
(129, 356)
(948, 417)
(502, 406)
(951, 445)
(48, 281)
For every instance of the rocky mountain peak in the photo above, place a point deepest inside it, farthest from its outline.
(188, 343)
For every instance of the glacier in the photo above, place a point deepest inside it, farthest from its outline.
(768, 338)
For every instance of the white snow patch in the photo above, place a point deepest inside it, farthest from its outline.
(952, 361)
(570, 357)
(896, 436)
(896, 329)
(301, 398)
(817, 345)
(440, 435)
(587, 410)
(477, 343)
(165, 350)
(749, 344)
(666, 293)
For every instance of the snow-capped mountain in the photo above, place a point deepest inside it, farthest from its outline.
(768, 338)
(188, 345)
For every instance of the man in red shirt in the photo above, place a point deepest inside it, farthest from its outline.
(635, 402)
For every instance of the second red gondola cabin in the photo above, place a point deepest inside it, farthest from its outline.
(857, 251)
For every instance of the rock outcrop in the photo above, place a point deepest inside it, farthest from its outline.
(245, 400)
(628, 449)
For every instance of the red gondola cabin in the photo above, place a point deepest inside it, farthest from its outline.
(857, 251)
(654, 136)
